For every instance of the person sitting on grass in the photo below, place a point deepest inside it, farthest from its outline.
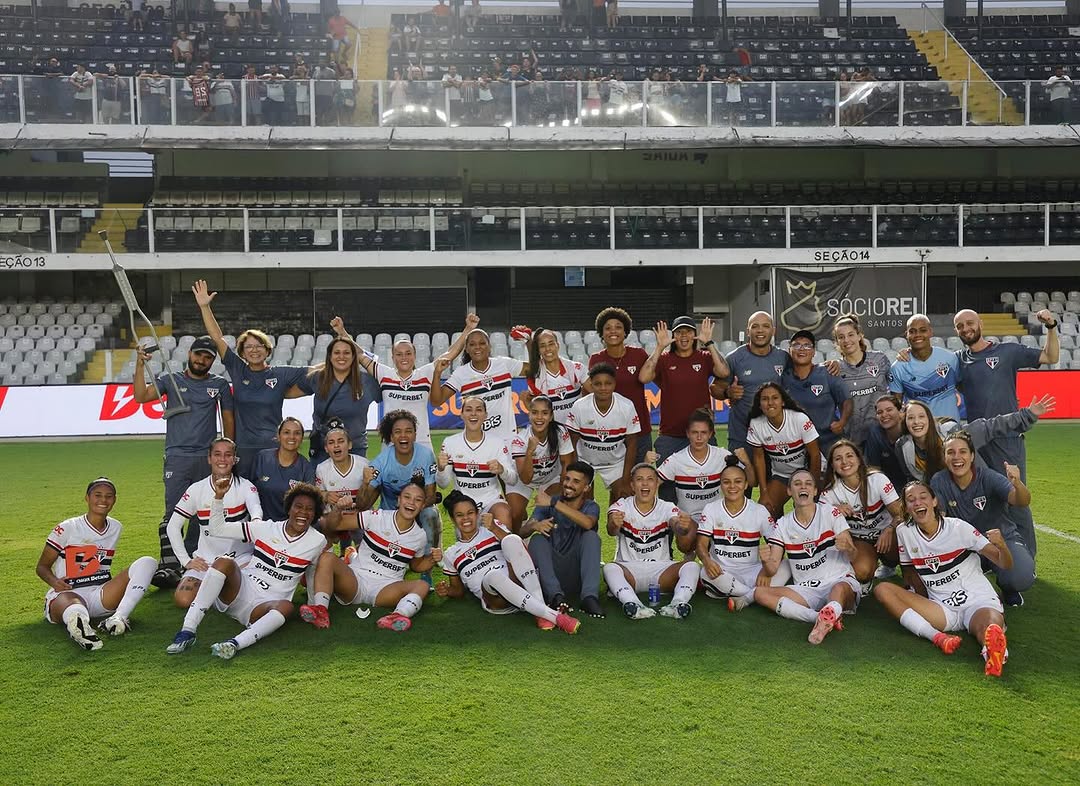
(76, 563)
(494, 565)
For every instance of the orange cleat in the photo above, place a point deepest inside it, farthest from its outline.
(319, 616)
(946, 643)
(826, 621)
(544, 624)
(395, 622)
(568, 624)
(995, 650)
(348, 555)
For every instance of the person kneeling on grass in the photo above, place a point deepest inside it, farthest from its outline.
(495, 566)
(258, 596)
(820, 549)
(76, 563)
(939, 557)
(391, 543)
(643, 525)
(728, 542)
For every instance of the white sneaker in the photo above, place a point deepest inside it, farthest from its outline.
(224, 649)
(679, 611)
(636, 611)
(116, 625)
(82, 633)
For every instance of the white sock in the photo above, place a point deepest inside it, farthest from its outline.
(727, 584)
(689, 575)
(917, 624)
(409, 605)
(517, 557)
(139, 575)
(836, 607)
(204, 598)
(617, 583)
(499, 582)
(321, 599)
(787, 607)
(259, 629)
(73, 611)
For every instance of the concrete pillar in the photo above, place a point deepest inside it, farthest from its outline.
(955, 8)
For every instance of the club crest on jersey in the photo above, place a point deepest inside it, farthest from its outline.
(696, 366)
(731, 535)
(782, 448)
(816, 389)
(487, 382)
(406, 384)
(992, 362)
(779, 370)
(809, 547)
(212, 392)
(472, 468)
(280, 558)
(602, 434)
(393, 549)
(871, 370)
(942, 370)
(703, 481)
(932, 563)
(470, 554)
(632, 369)
(271, 383)
(979, 502)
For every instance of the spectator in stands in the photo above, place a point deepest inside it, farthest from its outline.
(223, 99)
(860, 96)
(473, 12)
(337, 32)
(345, 98)
(598, 17)
(200, 94)
(255, 95)
(485, 100)
(112, 95)
(612, 13)
(733, 95)
(255, 14)
(82, 83)
(302, 96)
(183, 48)
(396, 45)
(1060, 89)
(281, 17)
(399, 97)
(411, 36)
(137, 22)
(441, 9)
(153, 97)
(231, 22)
(274, 102)
(614, 325)
(55, 78)
(326, 85)
(567, 10)
(452, 83)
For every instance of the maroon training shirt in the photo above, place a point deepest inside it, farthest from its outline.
(627, 383)
(684, 387)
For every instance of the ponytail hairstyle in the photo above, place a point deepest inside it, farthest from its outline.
(852, 320)
(455, 498)
(535, 362)
(831, 477)
(551, 436)
(731, 461)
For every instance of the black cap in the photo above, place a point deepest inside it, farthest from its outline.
(204, 344)
(805, 334)
(102, 481)
(683, 322)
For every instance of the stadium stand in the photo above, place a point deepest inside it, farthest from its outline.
(51, 343)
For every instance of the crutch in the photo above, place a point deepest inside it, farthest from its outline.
(177, 405)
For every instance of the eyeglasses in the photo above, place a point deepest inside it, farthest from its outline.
(801, 347)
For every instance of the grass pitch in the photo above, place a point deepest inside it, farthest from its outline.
(469, 698)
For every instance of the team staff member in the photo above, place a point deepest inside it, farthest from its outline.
(752, 365)
(614, 325)
(819, 393)
(258, 389)
(278, 469)
(930, 374)
(864, 373)
(187, 436)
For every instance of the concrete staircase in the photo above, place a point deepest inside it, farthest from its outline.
(374, 45)
(985, 103)
(97, 368)
(1002, 325)
(114, 217)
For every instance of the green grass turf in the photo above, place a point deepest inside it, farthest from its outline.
(474, 699)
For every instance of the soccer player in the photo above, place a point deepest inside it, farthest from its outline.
(76, 563)
(258, 596)
(278, 469)
(541, 451)
(865, 374)
(391, 543)
(930, 374)
(881, 438)
(258, 389)
(485, 377)
(473, 461)
(986, 500)
(643, 526)
(819, 548)
(564, 543)
(695, 470)
(604, 427)
(186, 435)
(494, 565)
(560, 379)
(869, 502)
(614, 325)
(752, 365)
(341, 477)
(784, 440)
(939, 556)
(241, 504)
(729, 536)
(819, 393)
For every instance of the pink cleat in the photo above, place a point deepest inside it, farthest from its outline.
(395, 622)
(826, 621)
(568, 624)
(319, 616)
(946, 643)
(544, 624)
(995, 650)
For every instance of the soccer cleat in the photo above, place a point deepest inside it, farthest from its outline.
(885, 572)
(319, 616)
(544, 624)
(568, 624)
(165, 578)
(826, 621)
(183, 641)
(591, 606)
(82, 633)
(1012, 598)
(994, 650)
(226, 650)
(636, 611)
(946, 643)
(395, 622)
(116, 625)
(678, 611)
(739, 602)
(348, 554)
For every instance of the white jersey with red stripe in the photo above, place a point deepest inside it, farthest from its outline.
(329, 478)
(468, 468)
(562, 387)
(84, 553)
(241, 503)
(493, 385)
(384, 550)
(734, 537)
(811, 549)
(471, 560)
(409, 393)
(948, 563)
(547, 466)
(697, 483)
(279, 560)
(602, 435)
(785, 447)
(645, 536)
(866, 523)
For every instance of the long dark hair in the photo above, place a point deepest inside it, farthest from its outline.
(551, 436)
(535, 362)
(934, 454)
(903, 497)
(864, 472)
(789, 402)
(324, 372)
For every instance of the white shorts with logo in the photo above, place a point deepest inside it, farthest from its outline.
(91, 598)
(368, 587)
(485, 506)
(247, 600)
(958, 618)
(199, 575)
(748, 575)
(646, 572)
(817, 597)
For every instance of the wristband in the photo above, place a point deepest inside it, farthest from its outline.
(1051, 327)
(709, 343)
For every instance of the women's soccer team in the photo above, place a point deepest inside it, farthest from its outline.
(896, 487)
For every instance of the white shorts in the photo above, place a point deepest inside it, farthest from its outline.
(91, 598)
(817, 597)
(609, 474)
(246, 601)
(747, 574)
(958, 618)
(510, 607)
(646, 572)
(199, 575)
(368, 587)
(527, 490)
(486, 505)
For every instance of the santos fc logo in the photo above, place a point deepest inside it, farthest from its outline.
(806, 309)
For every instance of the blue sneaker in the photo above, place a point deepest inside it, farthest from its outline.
(1012, 598)
(226, 650)
(183, 641)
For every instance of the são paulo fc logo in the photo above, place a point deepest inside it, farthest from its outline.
(212, 392)
(271, 383)
(487, 382)
(979, 502)
(871, 370)
(782, 448)
(602, 434)
(703, 481)
(696, 367)
(992, 362)
(809, 547)
(942, 370)
(816, 389)
(731, 535)
(472, 468)
(470, 554)
(779, 370)
(280, 558)
(932, 563)
(406, 384)
(393, 549)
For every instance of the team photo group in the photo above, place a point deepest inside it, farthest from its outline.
(906, 480)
